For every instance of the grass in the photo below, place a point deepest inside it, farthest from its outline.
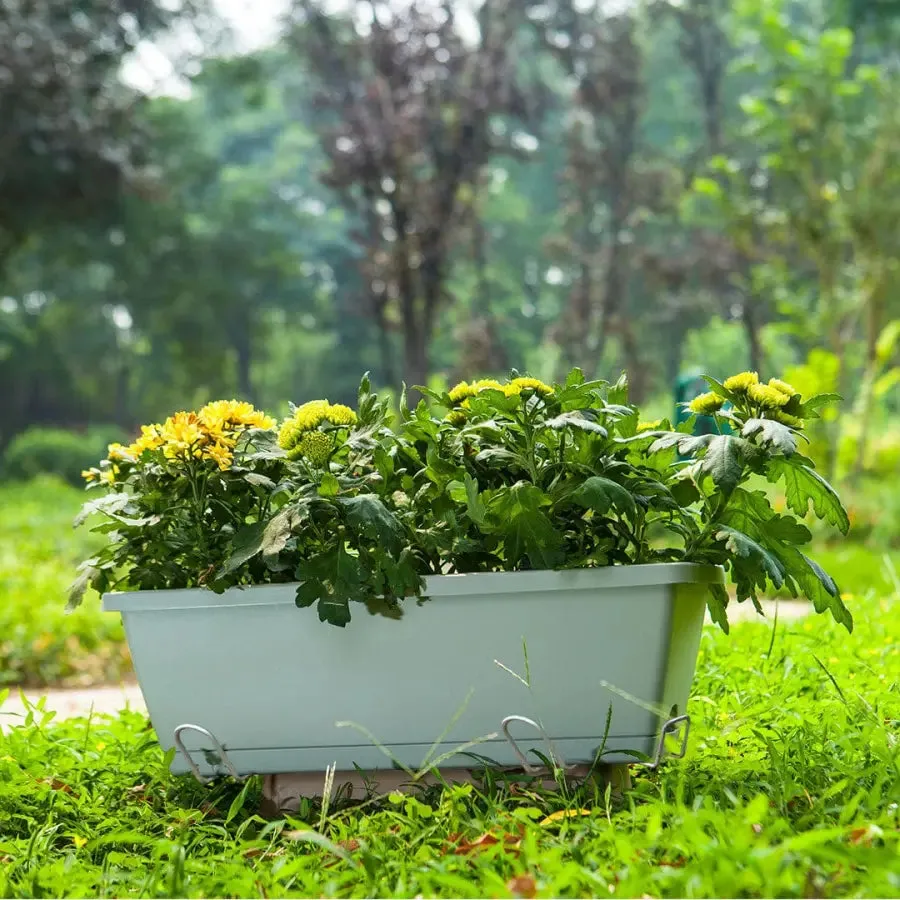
(40, 644)
(790, 789)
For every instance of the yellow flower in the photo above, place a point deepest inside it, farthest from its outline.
(182, 435)
(338, 414)
(310, 415)
(220, 454)
(461, 391)
(289, 434)
(788, 419)
(783, 386)
(741, 382)
(767, 397)
(706, 404)
(119, 453)
(314, 446)
(649, 426)
(230, 414)
(150, 439)
(487, 384)
(456, 417)
(517, 385)
(90, 474)
(108, 476)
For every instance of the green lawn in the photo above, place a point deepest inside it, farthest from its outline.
(39, 550)
(790, 789)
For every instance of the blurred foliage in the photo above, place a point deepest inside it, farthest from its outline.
(55, 451)
(656, 187)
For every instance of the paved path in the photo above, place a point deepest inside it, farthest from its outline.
(68, 703)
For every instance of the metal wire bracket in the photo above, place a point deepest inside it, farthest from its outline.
(553, 753)
(671, 726)
(217, 757)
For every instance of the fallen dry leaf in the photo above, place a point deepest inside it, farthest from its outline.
(757, 828)
(564, 814)
(522, 886)
(678, 863)
(463, 846)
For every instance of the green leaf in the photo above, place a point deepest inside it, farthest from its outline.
(802, 485)
(370, 517)
(745, 547)
(474, 504)
(686, 445)
(773, 433)
(716, 603)
(259, 480)
(809, 408)
(86, 573)
(576, 419)
(245, 544)
(600, 494)
(527, 532)
(720, 389)
(329, 486)
(109, 503)
(330, 580)
(724, 461)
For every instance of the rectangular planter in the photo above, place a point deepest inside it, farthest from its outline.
(271, 682)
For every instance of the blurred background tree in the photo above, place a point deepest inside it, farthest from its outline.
(430, 191)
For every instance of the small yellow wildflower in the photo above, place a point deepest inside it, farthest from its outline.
(741, 382)
(517, 385)
(783, 386)
(79, 841)
(461, 391)
(90, 474)
(706, 404)
(767, 397)
(338, 414)
(108, 476)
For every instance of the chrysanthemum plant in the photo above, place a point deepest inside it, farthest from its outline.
(487, 477)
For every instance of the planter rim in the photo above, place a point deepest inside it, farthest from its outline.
(470, 584)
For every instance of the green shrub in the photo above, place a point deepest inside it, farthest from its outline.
(55, 451)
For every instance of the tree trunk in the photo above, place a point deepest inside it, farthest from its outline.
(751, 329)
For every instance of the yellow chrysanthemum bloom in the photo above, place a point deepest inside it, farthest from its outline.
(219, 454)
(314, 446)
(456, 417)
(289, 434)
(118, 452)
(338, 414)
(767, 397)
(485, 384)
(517, 385)
(741, 382)
(706, 404)
(783, 386)
(461, 392)
(311, 415)
(182, 435)
(150, 439)
(235, 413)
(788, 419)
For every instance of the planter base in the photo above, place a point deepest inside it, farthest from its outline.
(282, 793)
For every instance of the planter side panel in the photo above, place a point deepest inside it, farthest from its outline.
(272, 682)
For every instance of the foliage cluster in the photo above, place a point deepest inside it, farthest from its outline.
(487, 477)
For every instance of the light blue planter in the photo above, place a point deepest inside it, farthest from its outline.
(271, 682)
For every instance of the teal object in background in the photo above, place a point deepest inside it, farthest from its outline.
(687, 387)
